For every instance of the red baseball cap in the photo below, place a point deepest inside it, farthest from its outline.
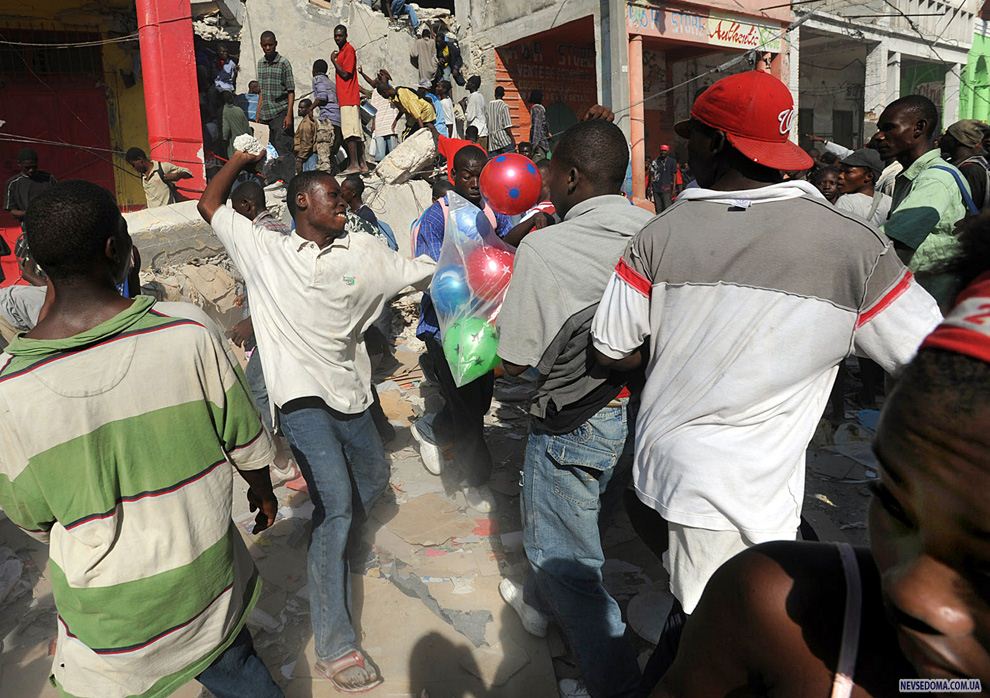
(755, 110)
(664, 147)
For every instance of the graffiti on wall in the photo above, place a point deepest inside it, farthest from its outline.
(565, 72)
(712, 28)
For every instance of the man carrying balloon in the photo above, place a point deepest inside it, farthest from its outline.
(460, 423)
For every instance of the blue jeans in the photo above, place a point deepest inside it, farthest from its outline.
(309, 164)
(343, 461)
(239, 672)
(565, 478)
(259, 391)
(401, 6)
(385, 145)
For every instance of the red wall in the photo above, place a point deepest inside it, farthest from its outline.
(65, 110)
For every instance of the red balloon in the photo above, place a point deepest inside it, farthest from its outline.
(511, 183)
(488, 271)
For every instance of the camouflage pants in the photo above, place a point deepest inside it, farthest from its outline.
(328, 141)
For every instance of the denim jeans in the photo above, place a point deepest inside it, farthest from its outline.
(259, 391)
(343, 461)
(565, 478)
(385, 145)
(461, 422)
(310, 163)
(401, 6)
(239, 672)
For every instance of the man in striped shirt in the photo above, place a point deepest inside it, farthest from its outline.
(119, 422)
(500, 138)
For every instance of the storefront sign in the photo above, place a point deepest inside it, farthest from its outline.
(714, 28)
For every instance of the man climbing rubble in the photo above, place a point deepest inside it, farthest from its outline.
(314, 293)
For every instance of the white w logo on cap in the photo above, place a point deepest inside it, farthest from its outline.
(786, 119)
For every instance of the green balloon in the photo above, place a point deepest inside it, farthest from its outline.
(471, 348)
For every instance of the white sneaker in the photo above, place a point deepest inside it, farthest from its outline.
(573, 688)
(480, 499)
(430, 453)
(534, 622)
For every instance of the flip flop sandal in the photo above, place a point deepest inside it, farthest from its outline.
(354, 658)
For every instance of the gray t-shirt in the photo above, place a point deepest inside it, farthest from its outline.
(559, 277)
(20, 307)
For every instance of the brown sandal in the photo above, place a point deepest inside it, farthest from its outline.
(355, 658)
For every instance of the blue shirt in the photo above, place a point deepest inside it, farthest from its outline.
(440, 123)
(324, 88)
(429, 241)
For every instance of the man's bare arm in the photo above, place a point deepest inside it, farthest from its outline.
(218, 189)
(626, 363)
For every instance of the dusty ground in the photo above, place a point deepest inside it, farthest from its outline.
(426, 600)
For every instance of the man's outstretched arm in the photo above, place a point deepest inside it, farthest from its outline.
(218, 189)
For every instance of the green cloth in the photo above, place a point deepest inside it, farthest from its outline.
(235, 123)
(276, 82)
(927, 204)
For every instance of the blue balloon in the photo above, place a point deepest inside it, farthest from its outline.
(467, 222)
(449, 290)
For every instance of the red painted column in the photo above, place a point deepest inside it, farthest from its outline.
(171, 95)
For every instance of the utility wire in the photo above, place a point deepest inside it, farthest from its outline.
(77, 44)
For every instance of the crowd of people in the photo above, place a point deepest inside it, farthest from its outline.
(689, 354)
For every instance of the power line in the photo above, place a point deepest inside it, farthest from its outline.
(76, 44)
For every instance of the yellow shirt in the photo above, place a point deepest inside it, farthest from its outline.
(156, 189)
(414, 106)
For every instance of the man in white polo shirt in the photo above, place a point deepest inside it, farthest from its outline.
(314, 293)
(750, 292)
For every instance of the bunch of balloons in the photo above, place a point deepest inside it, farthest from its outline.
(475, 266)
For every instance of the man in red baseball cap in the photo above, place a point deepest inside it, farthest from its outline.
(663, 175)
(750, 291)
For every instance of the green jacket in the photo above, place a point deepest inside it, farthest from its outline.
(927, 204)
(235, 123)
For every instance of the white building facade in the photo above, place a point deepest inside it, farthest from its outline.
(848, 61)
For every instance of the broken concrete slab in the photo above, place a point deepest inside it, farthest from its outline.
(496, 665)
(412, 158)
(171, 235)
(647, 611)
(428, 520)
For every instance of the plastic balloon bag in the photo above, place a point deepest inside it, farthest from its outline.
(468, 288)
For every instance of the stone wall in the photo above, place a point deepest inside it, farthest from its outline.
(305, 33)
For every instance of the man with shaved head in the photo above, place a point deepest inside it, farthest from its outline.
(579, 440)
(314, 293)
(248, 199)
(929, 194)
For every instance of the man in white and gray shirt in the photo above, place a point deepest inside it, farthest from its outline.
(750, 291)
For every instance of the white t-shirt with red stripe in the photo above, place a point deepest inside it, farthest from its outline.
(749, 301)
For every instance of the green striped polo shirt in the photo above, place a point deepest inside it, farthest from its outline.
(116, 447)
